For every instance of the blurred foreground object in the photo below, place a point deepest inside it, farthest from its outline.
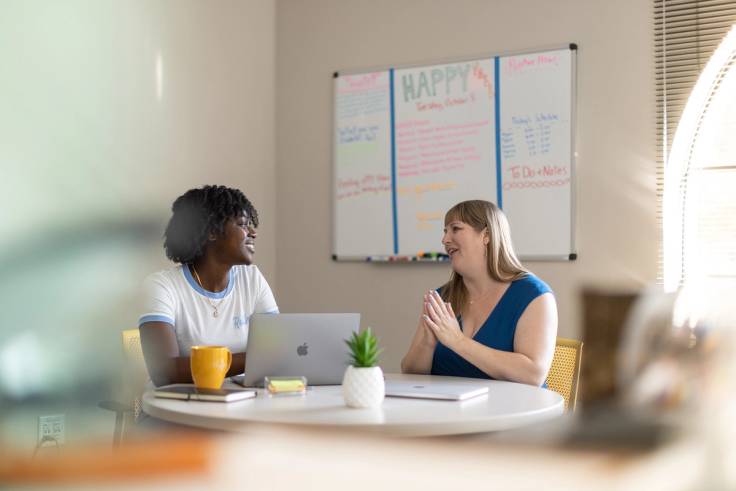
(673, 349)
(658, 367)
(288, 458)
(170, 454)
(63, 298)
(678, 362)
(67, 291)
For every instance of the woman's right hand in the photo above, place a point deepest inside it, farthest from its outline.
(428, 335)
(419, 357)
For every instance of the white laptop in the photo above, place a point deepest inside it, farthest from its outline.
(449, 391)
(294, 345)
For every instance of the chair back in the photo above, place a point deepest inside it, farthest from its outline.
(564, 373)
(137, 374)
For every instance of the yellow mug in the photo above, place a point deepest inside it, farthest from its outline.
(210, 365)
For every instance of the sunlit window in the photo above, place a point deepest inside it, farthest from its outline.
(699, 206)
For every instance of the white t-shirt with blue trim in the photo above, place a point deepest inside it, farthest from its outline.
(174, 296)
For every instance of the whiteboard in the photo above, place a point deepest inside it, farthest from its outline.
(411, 142)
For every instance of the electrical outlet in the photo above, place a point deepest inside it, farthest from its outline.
(52, 427)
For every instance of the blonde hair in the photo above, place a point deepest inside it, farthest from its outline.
(502, 263)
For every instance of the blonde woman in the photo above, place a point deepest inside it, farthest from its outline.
(493, 318)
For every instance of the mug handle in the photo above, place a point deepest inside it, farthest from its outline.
(229, 360)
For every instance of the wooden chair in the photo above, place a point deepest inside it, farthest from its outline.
(564, 373)
(135, 376)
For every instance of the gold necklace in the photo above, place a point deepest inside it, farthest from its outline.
(213, 305)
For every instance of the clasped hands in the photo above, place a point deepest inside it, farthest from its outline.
(439, 318)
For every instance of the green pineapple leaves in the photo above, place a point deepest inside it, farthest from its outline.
(363, 349)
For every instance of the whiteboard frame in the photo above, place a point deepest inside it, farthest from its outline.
(573, 255)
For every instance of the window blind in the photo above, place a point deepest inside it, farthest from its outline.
(687, 33)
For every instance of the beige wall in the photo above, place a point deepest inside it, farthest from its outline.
(616, 228)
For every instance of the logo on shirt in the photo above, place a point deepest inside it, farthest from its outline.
(240, 321)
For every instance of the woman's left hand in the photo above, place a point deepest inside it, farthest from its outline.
(442, 321)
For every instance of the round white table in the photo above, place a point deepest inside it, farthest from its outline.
(507, 405)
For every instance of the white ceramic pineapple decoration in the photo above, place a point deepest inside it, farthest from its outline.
(363, 385)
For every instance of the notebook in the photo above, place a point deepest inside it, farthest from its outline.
(298, 345)
(450, 391)
(189, 392)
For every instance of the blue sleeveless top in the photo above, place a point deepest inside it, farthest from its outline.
(496, 332)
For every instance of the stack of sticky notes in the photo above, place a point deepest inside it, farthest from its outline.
(296, 385)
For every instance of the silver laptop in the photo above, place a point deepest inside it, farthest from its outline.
(449, 391)
(292, 345)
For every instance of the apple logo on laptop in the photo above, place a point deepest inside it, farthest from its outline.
(302, 350)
